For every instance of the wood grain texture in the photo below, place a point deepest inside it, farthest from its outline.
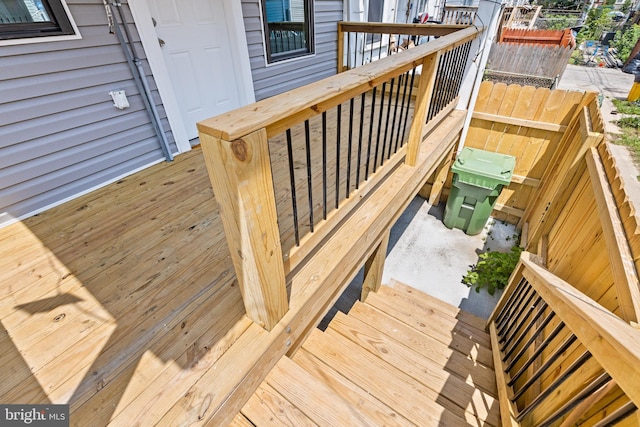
(623, 268)
(241, 177)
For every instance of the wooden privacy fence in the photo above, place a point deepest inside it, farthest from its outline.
(564, 350)
(531, 124)
(562, 38)
(347, 155)
(560, 358)
(530, 57)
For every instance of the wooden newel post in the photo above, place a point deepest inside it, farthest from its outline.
(240, 173)
(423, 99)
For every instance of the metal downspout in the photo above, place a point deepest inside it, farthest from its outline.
(135, 65)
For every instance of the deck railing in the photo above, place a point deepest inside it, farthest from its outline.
(287, 171)
(560, 357)
(459, 15)
(360, 43)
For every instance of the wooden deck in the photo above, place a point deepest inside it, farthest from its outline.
(123, 303)
(402, 358)
(110, 298)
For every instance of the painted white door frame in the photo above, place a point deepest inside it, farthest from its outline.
(149, 39)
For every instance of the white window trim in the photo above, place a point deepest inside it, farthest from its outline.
(31, 40)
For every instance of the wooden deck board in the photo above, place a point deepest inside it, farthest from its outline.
(121, 286)
(382, 369)
(131, 290)
(452, 391)
(360, 399)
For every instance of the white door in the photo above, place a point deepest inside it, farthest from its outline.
(195, 45)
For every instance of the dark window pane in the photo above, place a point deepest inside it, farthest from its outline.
(18, 11)
(33, 18)
(288, 28)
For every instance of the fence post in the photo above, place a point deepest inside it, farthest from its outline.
(240, 174)
(423, 99)
(374, 267)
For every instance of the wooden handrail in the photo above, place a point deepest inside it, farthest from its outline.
(279, 112)
(236, 147)
(606, 345)
(613, 343)
(405, 29)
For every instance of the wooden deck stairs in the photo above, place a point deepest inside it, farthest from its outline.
(400, 358)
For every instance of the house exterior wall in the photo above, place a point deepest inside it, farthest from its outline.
(272, 79)
(60, 134)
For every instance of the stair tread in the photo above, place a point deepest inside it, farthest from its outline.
(443, 306)
(398, 359)
(383, 380)
(453, 357)
(314, 398)
(454, 391)
(267, 406)
(424, 317)
(361, 399)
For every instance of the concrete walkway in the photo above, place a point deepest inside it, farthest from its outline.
(609, 82)
(427, 256)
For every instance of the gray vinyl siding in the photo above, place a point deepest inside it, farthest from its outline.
(280, 77)
(60, 134)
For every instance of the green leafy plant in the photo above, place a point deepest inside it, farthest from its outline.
(598, 21)
(626, 107)
(492, 270)
(630, 122)
(624, 41)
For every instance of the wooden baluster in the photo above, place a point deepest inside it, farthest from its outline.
(240, 173)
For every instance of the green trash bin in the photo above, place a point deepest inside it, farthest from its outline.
(478, 178)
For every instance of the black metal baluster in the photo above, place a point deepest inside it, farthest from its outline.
(516, 341)
(379, 51)
(338, 155)
(538, 350)
(515, 312)
(359, 161)
(350, 147)
(547, 364)
(364, 46)
(373, 108)
(403, 107)
(510, 306)
(517, 322)
(307, 140)
(395, 113)
(554, 385)
(530, 341)
(510, 331)
(406, 118)
(375, 156)
(348, 63)
(293, 188)
(386, 125)
(324, 165)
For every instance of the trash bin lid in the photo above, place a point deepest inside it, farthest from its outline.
(480, 167)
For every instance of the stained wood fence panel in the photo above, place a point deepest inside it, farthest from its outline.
(526, 59)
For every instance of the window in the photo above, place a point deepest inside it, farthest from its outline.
(21, 19)
(288, 28)
(374, 14)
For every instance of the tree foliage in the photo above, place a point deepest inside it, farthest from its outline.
(624, 41)
(598, 21)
